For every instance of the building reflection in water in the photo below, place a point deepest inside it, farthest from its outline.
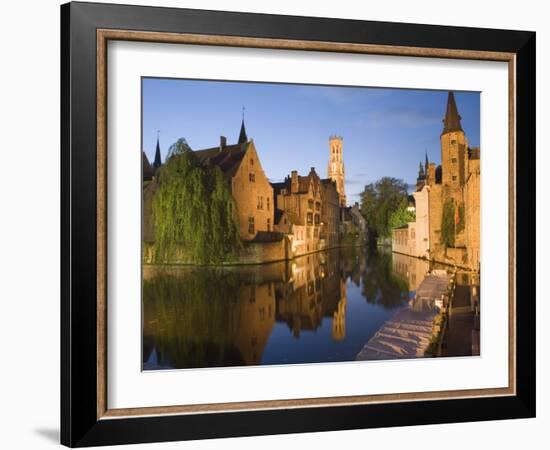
(315, 290)
(411, 270)
(203, 317)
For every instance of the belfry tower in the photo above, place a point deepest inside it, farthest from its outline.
(336, 170)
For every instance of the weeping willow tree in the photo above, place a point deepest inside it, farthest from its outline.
(193, 211)
(193, 319)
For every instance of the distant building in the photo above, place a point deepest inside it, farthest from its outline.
(359, 221)
(403, 239)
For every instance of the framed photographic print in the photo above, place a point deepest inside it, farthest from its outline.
(276, 224)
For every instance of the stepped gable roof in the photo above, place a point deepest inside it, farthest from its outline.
(452, 119)
(147, 169)
(227, 159)
(303, 183)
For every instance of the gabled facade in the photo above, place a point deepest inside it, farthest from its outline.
(300, 197)
(250, 187)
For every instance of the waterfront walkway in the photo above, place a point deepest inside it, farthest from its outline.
(407, 334)
(462, 337)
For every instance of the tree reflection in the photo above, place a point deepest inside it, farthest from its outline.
(205, 317)
(381, 286)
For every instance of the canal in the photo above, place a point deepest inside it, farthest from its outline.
(322, 307)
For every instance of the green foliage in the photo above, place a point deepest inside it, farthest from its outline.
(449, 228)
(378, 201)
(380, 285)
(193, 317)
(401, 216)
(461, 217)
(448, 224)
(193, 211)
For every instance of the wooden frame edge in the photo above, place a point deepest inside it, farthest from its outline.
(103, 36)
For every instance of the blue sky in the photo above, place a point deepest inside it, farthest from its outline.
(385, 131)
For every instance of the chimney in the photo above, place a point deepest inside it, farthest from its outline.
(294, 181)
(223, 142)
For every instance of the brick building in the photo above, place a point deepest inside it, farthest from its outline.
(455, 181)
(250, 187)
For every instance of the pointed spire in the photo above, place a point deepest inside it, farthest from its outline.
(452, 118)
(157, 161)
(426, 163)
(242, 135)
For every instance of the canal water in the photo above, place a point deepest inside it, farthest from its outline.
(322, 307)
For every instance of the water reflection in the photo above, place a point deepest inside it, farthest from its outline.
(317, 308)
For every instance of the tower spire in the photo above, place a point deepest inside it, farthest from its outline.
(157, 162)
(242, 135)
(426, 163)
(451, 122)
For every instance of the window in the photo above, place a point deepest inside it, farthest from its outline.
(251, 177)
(251, 161)
(317, 219)
(251, 225)
(310, 218)
(310, 203)
(268, 224)
(453, 160)
(317, 206)
(453, 141)
(454, 177)
(267, 203)
(260, 202)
